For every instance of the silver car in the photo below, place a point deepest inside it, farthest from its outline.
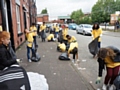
(84, 29)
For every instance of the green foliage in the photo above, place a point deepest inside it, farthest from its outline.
(102, 10)
(76, 15)
(44, 11)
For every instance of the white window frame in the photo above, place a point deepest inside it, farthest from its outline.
(18, 18)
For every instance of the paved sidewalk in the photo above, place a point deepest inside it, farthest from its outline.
(60, 75)
(112, 33)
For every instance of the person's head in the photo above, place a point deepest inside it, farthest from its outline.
(33, 24)
(61, 42)
(68, 37)
(95, 26)
(4, 38)
(43, 23)
(75, 50)
(104, 52)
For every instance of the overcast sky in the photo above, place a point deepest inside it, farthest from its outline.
(64, 7)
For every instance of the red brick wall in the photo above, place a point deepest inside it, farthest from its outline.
(43, 18)
(18, 40)
(39, 19)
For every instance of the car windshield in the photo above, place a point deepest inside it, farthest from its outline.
(88, 26)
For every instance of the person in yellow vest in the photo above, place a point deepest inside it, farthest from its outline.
(42, 30)
(61, 47)
(56, 31)
(71, 39)
(97, 31)
(106, 61)
(73, 49)
(0, 28)
(64, 33)
(33, 29)
(30, 40)
(50, 37)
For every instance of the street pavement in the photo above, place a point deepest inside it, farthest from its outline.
(64, 75)
(60, 75)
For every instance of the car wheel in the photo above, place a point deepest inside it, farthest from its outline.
(84, 33)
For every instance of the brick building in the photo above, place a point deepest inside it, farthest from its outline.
(42, 18)
(15, 17)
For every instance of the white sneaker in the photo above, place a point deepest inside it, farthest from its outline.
(29, 60)
(73, 61)
(104, 87)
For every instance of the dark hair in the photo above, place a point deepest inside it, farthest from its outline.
(95, 27)
(33, 24)
(75, 50)
(103, 52)
(67, 36)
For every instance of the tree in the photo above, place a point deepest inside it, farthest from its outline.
(76, 15)
(44, 11)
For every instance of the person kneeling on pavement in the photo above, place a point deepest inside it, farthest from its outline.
(73, 49)
(50, 37)
(61, 47)
(106, 56)
(71, 39)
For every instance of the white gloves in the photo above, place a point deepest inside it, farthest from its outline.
(98, 80)
(18, 60)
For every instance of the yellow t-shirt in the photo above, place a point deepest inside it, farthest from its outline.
(0, 28)
(50, 36)
(64, 33)
(110, 63)
(72, 46)
(73, 39)
(62, 47)
(34, 30)
(29, 39)
(42, 27)
(56, 29)
(97, 33)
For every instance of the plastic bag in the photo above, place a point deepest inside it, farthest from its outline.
(37, 81)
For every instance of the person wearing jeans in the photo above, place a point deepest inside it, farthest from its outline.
(30, 42)
(106, 58)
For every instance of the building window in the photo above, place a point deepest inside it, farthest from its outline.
(18, 18)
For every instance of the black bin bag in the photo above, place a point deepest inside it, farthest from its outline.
(93, 46)
(64, 57)
(14, 78)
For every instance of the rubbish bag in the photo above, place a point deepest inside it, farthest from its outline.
(93, 46)
(35, 56)
(116, 82)
(64, 56)
(37, 81)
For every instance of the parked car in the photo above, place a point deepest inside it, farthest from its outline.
(84, 29)
(72, 26)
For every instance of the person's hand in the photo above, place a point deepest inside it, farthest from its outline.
(98, 80)
(18, 60)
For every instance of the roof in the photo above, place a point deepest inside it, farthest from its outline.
(64, 17)
(41, 15)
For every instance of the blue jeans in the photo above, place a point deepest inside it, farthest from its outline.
(99, 44)
(28, 52)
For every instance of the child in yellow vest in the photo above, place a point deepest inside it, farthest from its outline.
(50, 37)
(61, 47)
(30, 42)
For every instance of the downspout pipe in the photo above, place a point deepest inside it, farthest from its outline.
(3, 14)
